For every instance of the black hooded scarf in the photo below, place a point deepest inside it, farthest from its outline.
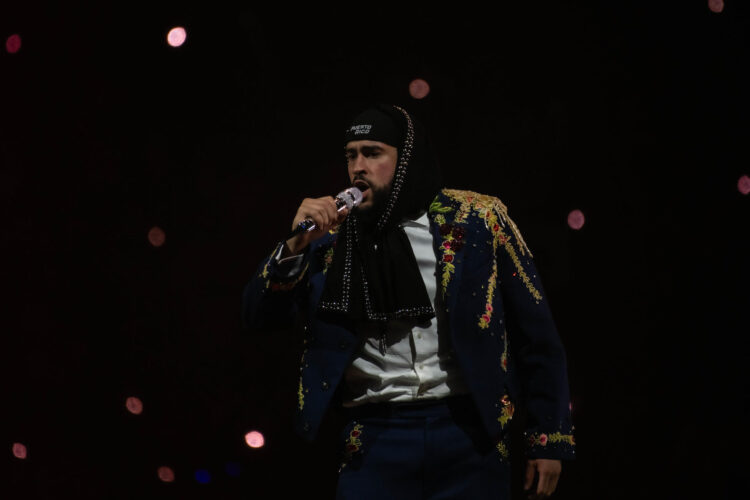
(374, 275)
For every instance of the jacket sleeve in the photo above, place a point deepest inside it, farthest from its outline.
(534, 342)
(270, 300)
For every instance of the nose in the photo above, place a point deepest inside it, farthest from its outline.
(358, 164)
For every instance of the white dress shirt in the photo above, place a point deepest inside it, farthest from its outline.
(418, 362)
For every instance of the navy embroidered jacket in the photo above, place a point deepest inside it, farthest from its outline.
(502, 332)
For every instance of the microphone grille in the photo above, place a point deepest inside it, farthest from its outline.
(351, 196)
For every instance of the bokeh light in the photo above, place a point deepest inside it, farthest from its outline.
(156, 236)
(134, 405)
(166, 474)
(19, 451)
(13, 43)
(203, 476)
(744, 184)
(419, 88)
(254, 439)
(576, 219)
(176, 36)
(716, 5)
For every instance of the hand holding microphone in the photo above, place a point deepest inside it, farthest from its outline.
(316, 216)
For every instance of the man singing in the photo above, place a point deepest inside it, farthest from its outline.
(426, 324)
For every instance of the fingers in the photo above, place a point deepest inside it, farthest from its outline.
(529, 476)
(321, 210)
(549, 474)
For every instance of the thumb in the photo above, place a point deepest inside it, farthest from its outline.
(529, 476)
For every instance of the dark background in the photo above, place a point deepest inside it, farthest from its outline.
(634, 112)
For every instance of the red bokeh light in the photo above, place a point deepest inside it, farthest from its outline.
(19, 451)
(134, 405)
(13, 44)
(716, 5)
(166, 474)
(156, 236)
(254, 439)
(419, 88)
(176, 36)
(576, 219)
(744, 184)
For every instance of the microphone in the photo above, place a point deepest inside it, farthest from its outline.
(348, 198)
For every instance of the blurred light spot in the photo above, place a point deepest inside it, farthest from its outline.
(576, 219)
(19, 450)
(166, 474)
(744, 184)
(254, 439)
(716, 5)
(13, 44)
(156, 236)
(419, 88)
(202, 476)
(176, 36)
(233, 469)
(134, 405)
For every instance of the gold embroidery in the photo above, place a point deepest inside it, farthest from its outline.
(557, 437)
(502, 448)
(327, 259)
(300, 390)
(506, 414)
(484, 320)
(352, 445)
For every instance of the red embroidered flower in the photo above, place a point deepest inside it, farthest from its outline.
(355, 433)
(505, 362)
(502, 240)
(445, 229)
(489, 307)
(459, 232)
(352, 447)
(447, 258)
(486, 317)
(447, 245)
(543, 440)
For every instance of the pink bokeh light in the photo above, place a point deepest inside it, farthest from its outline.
(176, 36)
(156, 236)
(254, 439)
(13, 43)
(20, 451)
(576, 219)
(419, 88)
(743, 184)
(165, 473)
(716, 5)
(134, 405)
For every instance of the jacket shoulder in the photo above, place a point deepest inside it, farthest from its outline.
(489, 208)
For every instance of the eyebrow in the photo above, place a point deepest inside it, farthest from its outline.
(365, 149)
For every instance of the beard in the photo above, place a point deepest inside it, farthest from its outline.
(369, 215)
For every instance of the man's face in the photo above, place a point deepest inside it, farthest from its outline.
(371, 165)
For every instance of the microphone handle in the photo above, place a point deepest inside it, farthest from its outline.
(309, 225)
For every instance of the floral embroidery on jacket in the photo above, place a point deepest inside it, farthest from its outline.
(352, 445)
(327, 259)
(506, 412)
(301, 390)
(542, 439)
(484, 320)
